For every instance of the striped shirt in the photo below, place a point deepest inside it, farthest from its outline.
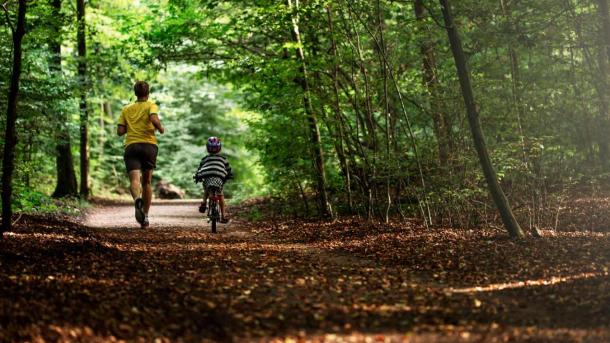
(214, 166)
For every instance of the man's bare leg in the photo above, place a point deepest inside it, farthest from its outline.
(147, 189)
(135, 186)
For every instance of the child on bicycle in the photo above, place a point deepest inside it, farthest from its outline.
(214, 170)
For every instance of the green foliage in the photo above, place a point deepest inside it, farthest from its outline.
(231, 69)
(28, 201)
(254, 214)
(193, 110)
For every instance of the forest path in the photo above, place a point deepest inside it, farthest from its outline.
(175, 281)
(163, 214)
(268, 288)
(180, 215)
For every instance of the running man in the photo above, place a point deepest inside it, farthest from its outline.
(139, 121)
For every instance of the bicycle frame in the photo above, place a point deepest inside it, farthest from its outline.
(213, 210)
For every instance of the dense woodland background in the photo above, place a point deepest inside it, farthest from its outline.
(419, 126)
(331, 107)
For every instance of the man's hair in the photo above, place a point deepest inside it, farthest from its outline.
(141, 89)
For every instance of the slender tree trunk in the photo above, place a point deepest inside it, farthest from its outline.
(511, 224)
(27, 155)
(518, 105)
(84, 114)
(386, 108)
(66, 177)
(515, 81)
(340, 127)
(426, 213)
(369, 171)
(370, 123)
(105, 113)
(303, 195)
(604, 69)
(442, 128)
(10, 137)
(314, 130)
(587, 138)
(591, 122)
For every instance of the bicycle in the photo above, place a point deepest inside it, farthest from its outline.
(214, 194)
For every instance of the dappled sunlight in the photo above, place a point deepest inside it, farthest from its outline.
(200, 245)
(177, 214)
(574, 234)
(65, 279)
(346, 334)
(69, 333)
(393, 171)
(43, 236)
(449, 334)
(528, 283)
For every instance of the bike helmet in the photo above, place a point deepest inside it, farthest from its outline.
(214, 145)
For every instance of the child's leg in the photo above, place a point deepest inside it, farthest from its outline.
(203, 206)
(222, 206)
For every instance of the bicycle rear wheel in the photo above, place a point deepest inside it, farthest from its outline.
(214, 216)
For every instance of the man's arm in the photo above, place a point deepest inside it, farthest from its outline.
(154, 119)
(121, 130)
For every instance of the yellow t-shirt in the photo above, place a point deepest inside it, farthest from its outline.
(139, 127)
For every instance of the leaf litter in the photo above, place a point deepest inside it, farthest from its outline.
(294, 280)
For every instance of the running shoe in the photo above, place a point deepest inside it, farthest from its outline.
(139, 212)
(145, 222)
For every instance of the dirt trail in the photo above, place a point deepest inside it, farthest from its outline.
(175, 281)
(180, 216)
(163, 214)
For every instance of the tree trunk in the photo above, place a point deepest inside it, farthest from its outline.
(84, 114)
(340, 127)
(442, 129)
(106, 113)
(510, 223)
(382, 52)
(516, 81)
(369, 124)
(426, 214)
(66, 177)
(10, 137)
(587, 138)
(602, 90)
(318, 154)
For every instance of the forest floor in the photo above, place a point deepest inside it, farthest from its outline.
(107, 280)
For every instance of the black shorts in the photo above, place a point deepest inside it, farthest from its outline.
(140, 156)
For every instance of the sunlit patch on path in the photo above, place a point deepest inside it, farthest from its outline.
(529, 283)
(163, 214)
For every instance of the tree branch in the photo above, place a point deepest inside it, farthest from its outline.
(8, 19)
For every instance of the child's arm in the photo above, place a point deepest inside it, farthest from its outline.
(228, 169)
(196, 177)
(202, 162)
